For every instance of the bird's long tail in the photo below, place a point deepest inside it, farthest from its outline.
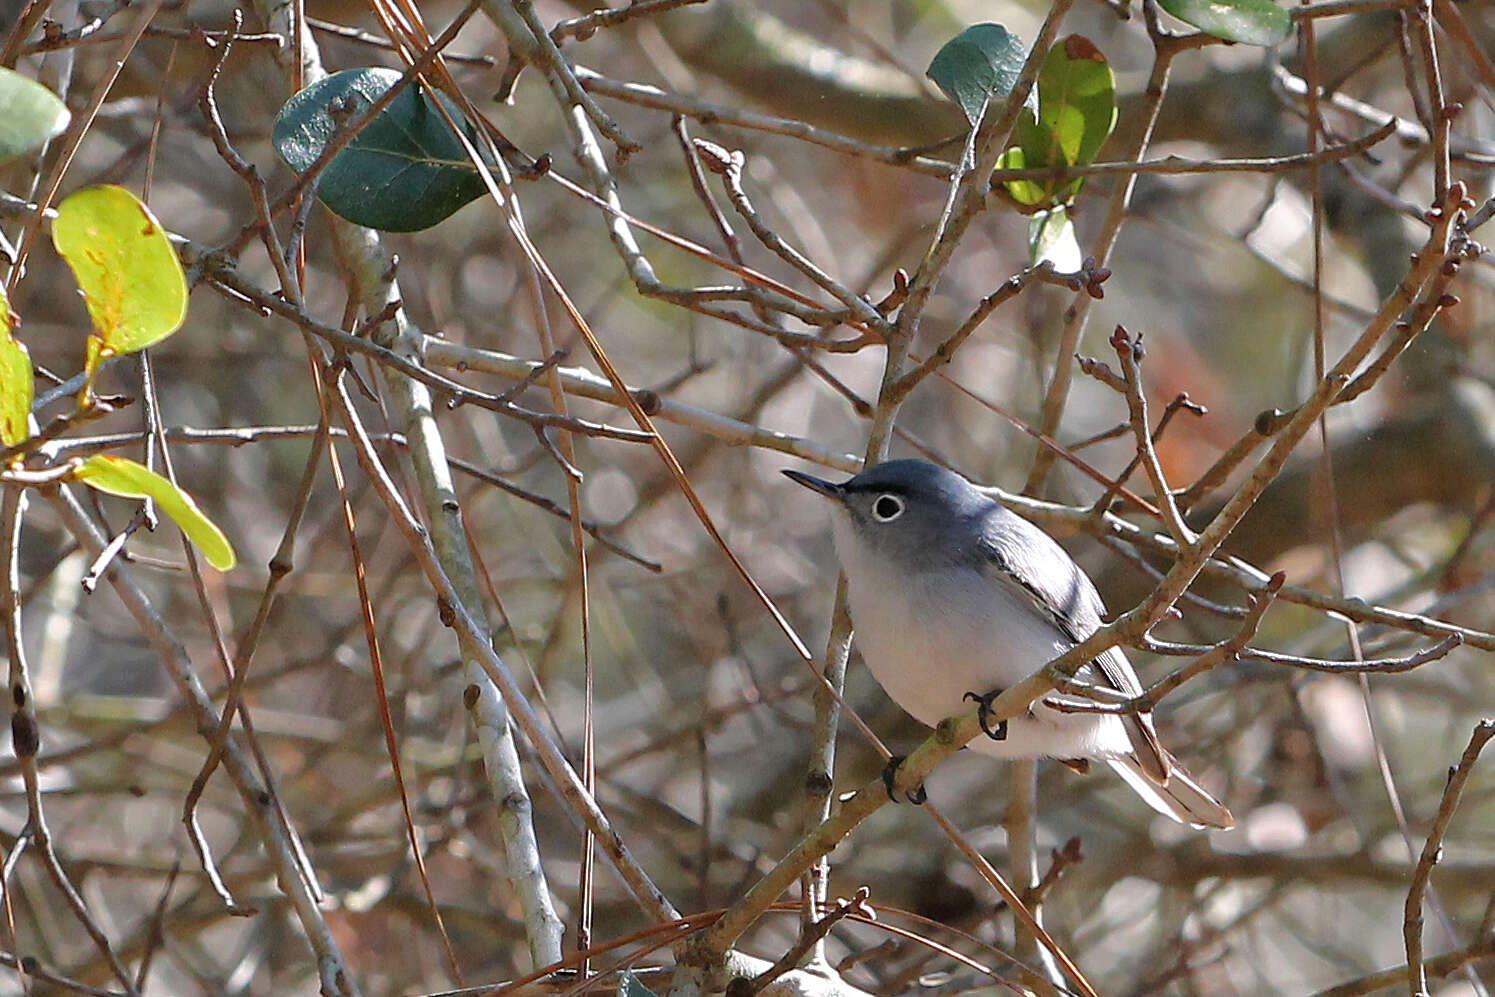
(1177, 795)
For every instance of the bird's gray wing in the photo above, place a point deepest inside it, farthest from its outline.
(1031, 564)
(1033, 567)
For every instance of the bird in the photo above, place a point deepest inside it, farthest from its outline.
(954, 597)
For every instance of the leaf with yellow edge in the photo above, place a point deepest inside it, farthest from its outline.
(15, 381)
(131, 278)
(119, 476)
(1074, 115)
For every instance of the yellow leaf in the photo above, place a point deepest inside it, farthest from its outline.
(119, 476)
(131, 278)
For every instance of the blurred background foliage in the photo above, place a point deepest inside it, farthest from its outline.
(703, 710)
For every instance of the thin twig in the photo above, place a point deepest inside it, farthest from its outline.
(584, 27)
(580, 381)
(458, 393)
(646, 95)
(1443, 965)
(1129, 353)
(367, 38)
(729, 165)
(1089, 276)
(1432, 848)
(1335, 8)
(1212, 657)
(1166, 47)
(476, 642)
(332, 969)
(818, 929)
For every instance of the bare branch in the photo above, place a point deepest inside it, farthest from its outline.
(1417, 979)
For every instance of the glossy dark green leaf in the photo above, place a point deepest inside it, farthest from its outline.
(405, 171)
(981, 63)
(1250, 22)
(30, 114)
(131, 278)
(15, 381)
(1075, 115)
(119, 476)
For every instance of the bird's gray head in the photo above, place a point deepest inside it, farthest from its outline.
(909, 511)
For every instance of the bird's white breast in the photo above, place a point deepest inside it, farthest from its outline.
(929, 637)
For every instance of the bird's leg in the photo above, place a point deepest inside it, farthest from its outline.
(983, 713)
(916, 796)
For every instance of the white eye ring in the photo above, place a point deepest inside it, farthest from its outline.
(887, 508)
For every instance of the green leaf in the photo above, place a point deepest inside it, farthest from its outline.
(1251, 22)
(15, 381)
(131, 278)
(33, 114)
(982, 62)
(1051, 238)
(1026, 193)
(1077, 99)
(404, 172)
(118, 476)
(1076, 114)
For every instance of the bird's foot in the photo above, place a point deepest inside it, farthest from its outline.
(916, 796)
(983, 714)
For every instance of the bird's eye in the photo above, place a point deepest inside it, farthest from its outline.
(887, 508)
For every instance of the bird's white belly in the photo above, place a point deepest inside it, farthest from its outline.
(930, 638)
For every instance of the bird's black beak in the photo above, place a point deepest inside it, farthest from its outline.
(820, 485)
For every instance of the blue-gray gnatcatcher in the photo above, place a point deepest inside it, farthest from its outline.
(954, 597)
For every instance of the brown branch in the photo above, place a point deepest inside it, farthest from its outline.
(1385, 666)
(584, 27)
(1335, 8)
(1064, 520)
(545, 55)
(367, 38)
(1060, 860)
(455, 392)
(1088, 276)
(729, 165)
(1180, 402)
(744, 987)
(645, 95)
(1108, 701)
(78, 37)
(1129, 354)
(1417, 979)
(1179, 165)
(1166, 47)
(1439, 966)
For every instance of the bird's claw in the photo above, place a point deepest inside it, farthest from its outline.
(983, 714)
(916, 796)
